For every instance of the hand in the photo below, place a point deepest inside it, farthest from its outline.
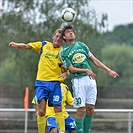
(91, 74)
(113, 74)
(13, 44)
(64, 75)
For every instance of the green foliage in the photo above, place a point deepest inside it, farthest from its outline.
(8, 71)
(118, 58)
(34, 20)
(121, 34)
(26, 21)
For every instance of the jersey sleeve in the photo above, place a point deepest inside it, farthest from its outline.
(36, 46)
(34, 100)
(65, 60)
(90, 54)
(85, 47)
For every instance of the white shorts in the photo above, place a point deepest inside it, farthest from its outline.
(84, 91)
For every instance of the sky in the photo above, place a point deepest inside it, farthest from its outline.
(118, 11)
(0, 4)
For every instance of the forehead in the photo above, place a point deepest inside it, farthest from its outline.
(57, 34)
(69, 30)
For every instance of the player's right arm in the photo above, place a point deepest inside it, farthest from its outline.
(68, 65)
(20, 45)
(80, 70)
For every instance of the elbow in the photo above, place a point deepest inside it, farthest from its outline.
(71, 69)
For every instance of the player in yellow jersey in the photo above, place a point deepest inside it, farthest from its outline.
(50, 114)
(49, 76)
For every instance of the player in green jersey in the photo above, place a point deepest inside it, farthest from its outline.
(76, 57)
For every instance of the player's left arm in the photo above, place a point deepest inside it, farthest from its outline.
(99, 64)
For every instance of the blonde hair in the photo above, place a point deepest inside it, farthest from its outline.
(58, 30)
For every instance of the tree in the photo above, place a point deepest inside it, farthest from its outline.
(119, 58)
(32, 20)
(121, 34)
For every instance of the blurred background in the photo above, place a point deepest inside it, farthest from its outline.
(32, 20)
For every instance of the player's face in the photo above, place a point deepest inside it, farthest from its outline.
(69, 35)
(57, 41)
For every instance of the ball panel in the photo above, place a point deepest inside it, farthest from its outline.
(70, 10)
(68, 14)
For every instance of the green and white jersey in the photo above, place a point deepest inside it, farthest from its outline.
(77, 55)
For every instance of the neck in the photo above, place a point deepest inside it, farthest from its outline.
(56, 46)
(70, 42)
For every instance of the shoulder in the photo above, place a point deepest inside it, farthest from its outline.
(38, 43)
(81, 43)
(63, 50)
(46, 43)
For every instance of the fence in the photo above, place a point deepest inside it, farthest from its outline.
(129, 111)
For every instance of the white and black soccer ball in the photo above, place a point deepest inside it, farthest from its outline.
(68, 14)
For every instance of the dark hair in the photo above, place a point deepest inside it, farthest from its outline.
(64, 29)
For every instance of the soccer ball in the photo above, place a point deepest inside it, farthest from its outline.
(68, 14)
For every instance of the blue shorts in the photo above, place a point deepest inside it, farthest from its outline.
(50, 91)
(69, 124)
(51, 123)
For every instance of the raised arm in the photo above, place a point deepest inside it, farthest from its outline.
(99, 64)
(19, 45)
